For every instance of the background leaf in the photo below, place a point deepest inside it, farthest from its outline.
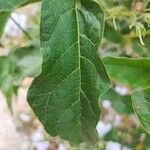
(6, 78)
(13, 4)
(22, 62)
(27, 62)
(141, 105)
(131, 72)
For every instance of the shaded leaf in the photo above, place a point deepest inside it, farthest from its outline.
(141, 105)
(65, 95)
(131, 72)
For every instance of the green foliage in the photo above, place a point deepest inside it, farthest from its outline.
(69, 105)
(112, 35)
(121, 104)
(65, 95)
(21, 62)
(27, 63)
(3, 20)
(6, 71)
(141, 105)
(132, 72)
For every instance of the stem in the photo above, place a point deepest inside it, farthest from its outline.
(23, 30)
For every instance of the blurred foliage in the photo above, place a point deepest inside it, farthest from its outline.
(20, 63)
(125, 71)
(121, 103)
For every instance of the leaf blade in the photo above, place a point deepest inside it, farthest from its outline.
(62, 91)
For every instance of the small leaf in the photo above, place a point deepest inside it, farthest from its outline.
(131, 72)
(65, 96)
(141, 105)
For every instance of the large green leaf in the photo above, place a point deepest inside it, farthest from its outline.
(122, 104)
(131, 72)
(65, 96)
(13, 4)
(141, 105)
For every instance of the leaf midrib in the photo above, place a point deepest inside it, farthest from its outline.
(79, 54)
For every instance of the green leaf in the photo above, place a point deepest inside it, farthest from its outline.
(122, 104)
(3, 19)
(9, 5)
(131, 72)
(65, 96)
(141, 105)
